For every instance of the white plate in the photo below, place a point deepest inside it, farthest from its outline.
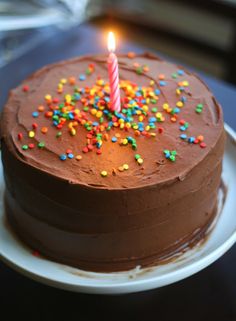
(222, 237)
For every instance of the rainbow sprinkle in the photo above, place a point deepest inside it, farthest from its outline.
(89, 107)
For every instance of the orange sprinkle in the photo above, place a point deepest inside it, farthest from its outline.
(78, 157)
(41, 108)
(131, 54)
(72, 80)
(161, 76)
(200, 138)
(44, 130)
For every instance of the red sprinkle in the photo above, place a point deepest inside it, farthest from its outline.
(31, 145)
(203, 145)
(160, 130)
(90, 147)
(85, 149)
(25, 88)
(34, 125)
(68, 151)
(20, 136)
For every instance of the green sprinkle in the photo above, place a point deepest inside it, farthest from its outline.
(58, 134)
(154, 110)
(174, 76)
(172, 158)
(25, 147)
(139, 70)
(41, 144)
(137, 156)
(88, 71)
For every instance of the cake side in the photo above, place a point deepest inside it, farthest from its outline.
(69, 212)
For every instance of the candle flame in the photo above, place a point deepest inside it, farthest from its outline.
(111, 44)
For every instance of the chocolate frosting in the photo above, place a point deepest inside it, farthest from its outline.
(70, 213)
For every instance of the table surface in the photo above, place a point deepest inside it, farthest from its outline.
(208, 295)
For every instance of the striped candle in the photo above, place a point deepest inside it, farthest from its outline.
(113, 74)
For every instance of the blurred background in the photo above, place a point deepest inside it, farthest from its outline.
(201, 33)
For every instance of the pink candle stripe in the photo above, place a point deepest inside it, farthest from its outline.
(114, 82)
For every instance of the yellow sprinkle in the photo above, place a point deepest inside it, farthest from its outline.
(93, 111)
(140, 118)
(127, 125)
(31, 134)
(103, 173)
(165, 106)
(145, 108)
(147, 128)
(99, 114)
(72, 131)
(121, 169)
(185, 83)
(178, 92)
(126, 166)
(63, 81)
(140, 161)
(179, 104)
(125, 141)
(152, 82)
(158, 115)
(48, 97)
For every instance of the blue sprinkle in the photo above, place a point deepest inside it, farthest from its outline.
(95, 123)
(35, 114)
(183, 99)
(82, 77)
(62, 157)
(182, 128)
(191, 140)
(183, 136)
(152, 119)
(162, 83)
(167, 154)
(114, 139)
(107, 99)
(176, 110)
(157, 92)
(70, 155)
(180, 72)
(77, 96)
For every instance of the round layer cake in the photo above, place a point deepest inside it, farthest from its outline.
(108, 191)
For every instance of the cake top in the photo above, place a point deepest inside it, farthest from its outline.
(59, 121)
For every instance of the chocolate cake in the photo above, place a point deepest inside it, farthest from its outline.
(108, 191)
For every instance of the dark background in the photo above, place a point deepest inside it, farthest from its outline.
(208, 295)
